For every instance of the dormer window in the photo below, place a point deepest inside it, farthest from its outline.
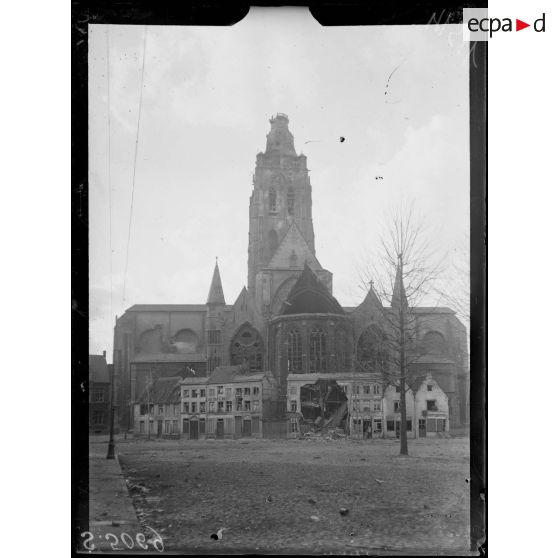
(272, 200)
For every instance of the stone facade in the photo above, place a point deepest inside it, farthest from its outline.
(286, 321)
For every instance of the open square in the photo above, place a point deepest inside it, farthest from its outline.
(286, 495)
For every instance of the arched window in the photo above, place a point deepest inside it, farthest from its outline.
(372, 352)
(150, 341)
(294, 351)
(434, 342)
(318, 354)
(247, 347)
(185, 341)
(272, 200)
(290, 201)
(342, 349)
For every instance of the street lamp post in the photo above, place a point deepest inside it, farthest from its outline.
(110, 452)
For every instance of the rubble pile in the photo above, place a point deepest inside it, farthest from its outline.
(324, 435)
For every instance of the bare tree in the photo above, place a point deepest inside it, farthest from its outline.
(403, 272)
(454, 289)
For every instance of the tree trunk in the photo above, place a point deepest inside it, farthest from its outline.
(402, 391)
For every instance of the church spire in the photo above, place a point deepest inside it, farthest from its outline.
(399, 296)
(216, 295)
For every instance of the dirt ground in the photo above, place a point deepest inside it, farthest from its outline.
(285, 496)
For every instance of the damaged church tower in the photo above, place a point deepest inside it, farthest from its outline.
(281, 233)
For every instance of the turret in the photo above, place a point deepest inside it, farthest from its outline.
(215, 321)
(399, 296)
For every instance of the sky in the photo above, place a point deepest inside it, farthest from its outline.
(397, 94)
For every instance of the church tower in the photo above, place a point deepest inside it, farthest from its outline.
(281, 233)
(215, 319)
(282, 196)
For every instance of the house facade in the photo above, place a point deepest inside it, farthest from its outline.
(157, 410)
(432, 409)
(231, 403)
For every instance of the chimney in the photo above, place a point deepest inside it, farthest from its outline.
(104, 354)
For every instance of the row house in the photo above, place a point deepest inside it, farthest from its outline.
(230, 403)
(99, 393)
(365, 407)
(157, 410)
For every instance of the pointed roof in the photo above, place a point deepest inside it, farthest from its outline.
(279, 138)
(98, 369)
(310, 296)
(369, 311)
(242, 296)
(371, 301)
(216, 295)
(399, 296)
(293, 243)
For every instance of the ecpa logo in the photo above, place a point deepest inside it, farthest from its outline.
(477, 26)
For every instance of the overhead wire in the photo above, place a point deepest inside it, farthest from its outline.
(109, 168)
(135, 167)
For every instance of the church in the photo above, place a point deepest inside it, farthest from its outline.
(286, 321)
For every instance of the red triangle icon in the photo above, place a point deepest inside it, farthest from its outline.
(519, 25)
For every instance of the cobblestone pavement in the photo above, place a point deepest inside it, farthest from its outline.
(285, 496)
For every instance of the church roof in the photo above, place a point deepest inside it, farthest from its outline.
(228, 374)
(310, 296)
(216, 295)
(432, 310)
(168, 357)
(162, 391)
(167, 308)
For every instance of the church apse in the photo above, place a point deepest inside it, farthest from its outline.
(312, 335)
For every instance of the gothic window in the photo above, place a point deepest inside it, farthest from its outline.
(290, 201)
(247, 347)
(372, 354)
(317, 362)
(343, 350)
(272, 200)
(294, 351)
(214, 336)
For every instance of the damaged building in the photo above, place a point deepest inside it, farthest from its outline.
(327, 363)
